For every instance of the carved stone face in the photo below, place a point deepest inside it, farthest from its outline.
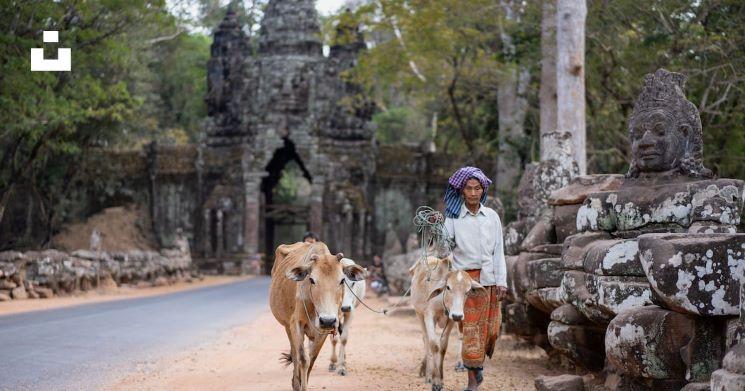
(656, 144)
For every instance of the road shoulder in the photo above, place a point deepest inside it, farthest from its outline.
(112, 294)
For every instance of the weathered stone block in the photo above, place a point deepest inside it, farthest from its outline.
(723, 380)
(19, 293)
(617, 294)
(719, 201)
(565, 221)
(87, 254)
(581, 186)
(639, 204)
(44, 293)
(523, 320)
(617, 382)
(573, 254)
(7, 284)
(695, 273)
(10, 256)
(582, 344)
(580, 289)
(569, 315)
(596, 214)
(541, 233)
(513, 234)
(4, 296)
(553, 249)
(520, 283)
(544, 299)
(656, 343)
(732, 376)
(559, 383)
(734, 360)
(696, 387)
(544, 273)
(618, 257)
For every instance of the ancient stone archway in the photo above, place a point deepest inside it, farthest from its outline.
(285, 199)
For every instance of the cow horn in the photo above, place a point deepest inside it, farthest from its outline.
(339, 256)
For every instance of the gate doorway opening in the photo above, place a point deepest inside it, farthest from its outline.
(286, 194)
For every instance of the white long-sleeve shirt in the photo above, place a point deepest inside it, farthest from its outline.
(479, 244)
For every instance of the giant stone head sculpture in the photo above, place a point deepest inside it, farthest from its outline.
(665, 129)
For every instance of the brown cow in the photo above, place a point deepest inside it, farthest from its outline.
(438, 295)
(305, 296)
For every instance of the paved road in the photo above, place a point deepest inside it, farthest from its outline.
(85, 347)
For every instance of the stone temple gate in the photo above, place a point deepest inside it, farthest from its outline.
(282, 105)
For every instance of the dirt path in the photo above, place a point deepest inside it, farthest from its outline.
(383, 354)
(110, 294)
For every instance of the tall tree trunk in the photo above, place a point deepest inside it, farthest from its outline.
(512, 105)
(570, 75)
(547, 93)
(512, 108)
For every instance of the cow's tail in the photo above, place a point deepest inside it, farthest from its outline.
(286, 358)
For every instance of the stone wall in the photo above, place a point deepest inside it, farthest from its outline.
(43, 274)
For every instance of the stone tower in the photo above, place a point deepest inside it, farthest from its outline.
(287, 103)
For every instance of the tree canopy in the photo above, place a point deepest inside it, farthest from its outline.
(448, 57)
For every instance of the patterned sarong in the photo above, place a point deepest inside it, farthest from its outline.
(481, 322)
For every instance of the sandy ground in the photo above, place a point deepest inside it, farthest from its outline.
(383, 354)
(109, 294)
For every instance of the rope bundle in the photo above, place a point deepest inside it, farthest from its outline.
(431, 227)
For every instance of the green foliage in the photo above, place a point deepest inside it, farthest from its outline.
(293, 187)
(439, 57)
(51, 118)
(400, 125)
(182, 82)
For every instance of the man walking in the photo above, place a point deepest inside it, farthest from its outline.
(476, 232)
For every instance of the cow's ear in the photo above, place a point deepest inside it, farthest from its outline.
(298, 273)
(355, 272)
(476, 285)
(437, 290)
(339, 257)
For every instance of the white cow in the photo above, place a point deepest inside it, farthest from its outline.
(438, 295)
(348, 304)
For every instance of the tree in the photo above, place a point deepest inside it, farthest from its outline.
(512, 102)
(570, 75)
(50, 118)
(547, 95)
